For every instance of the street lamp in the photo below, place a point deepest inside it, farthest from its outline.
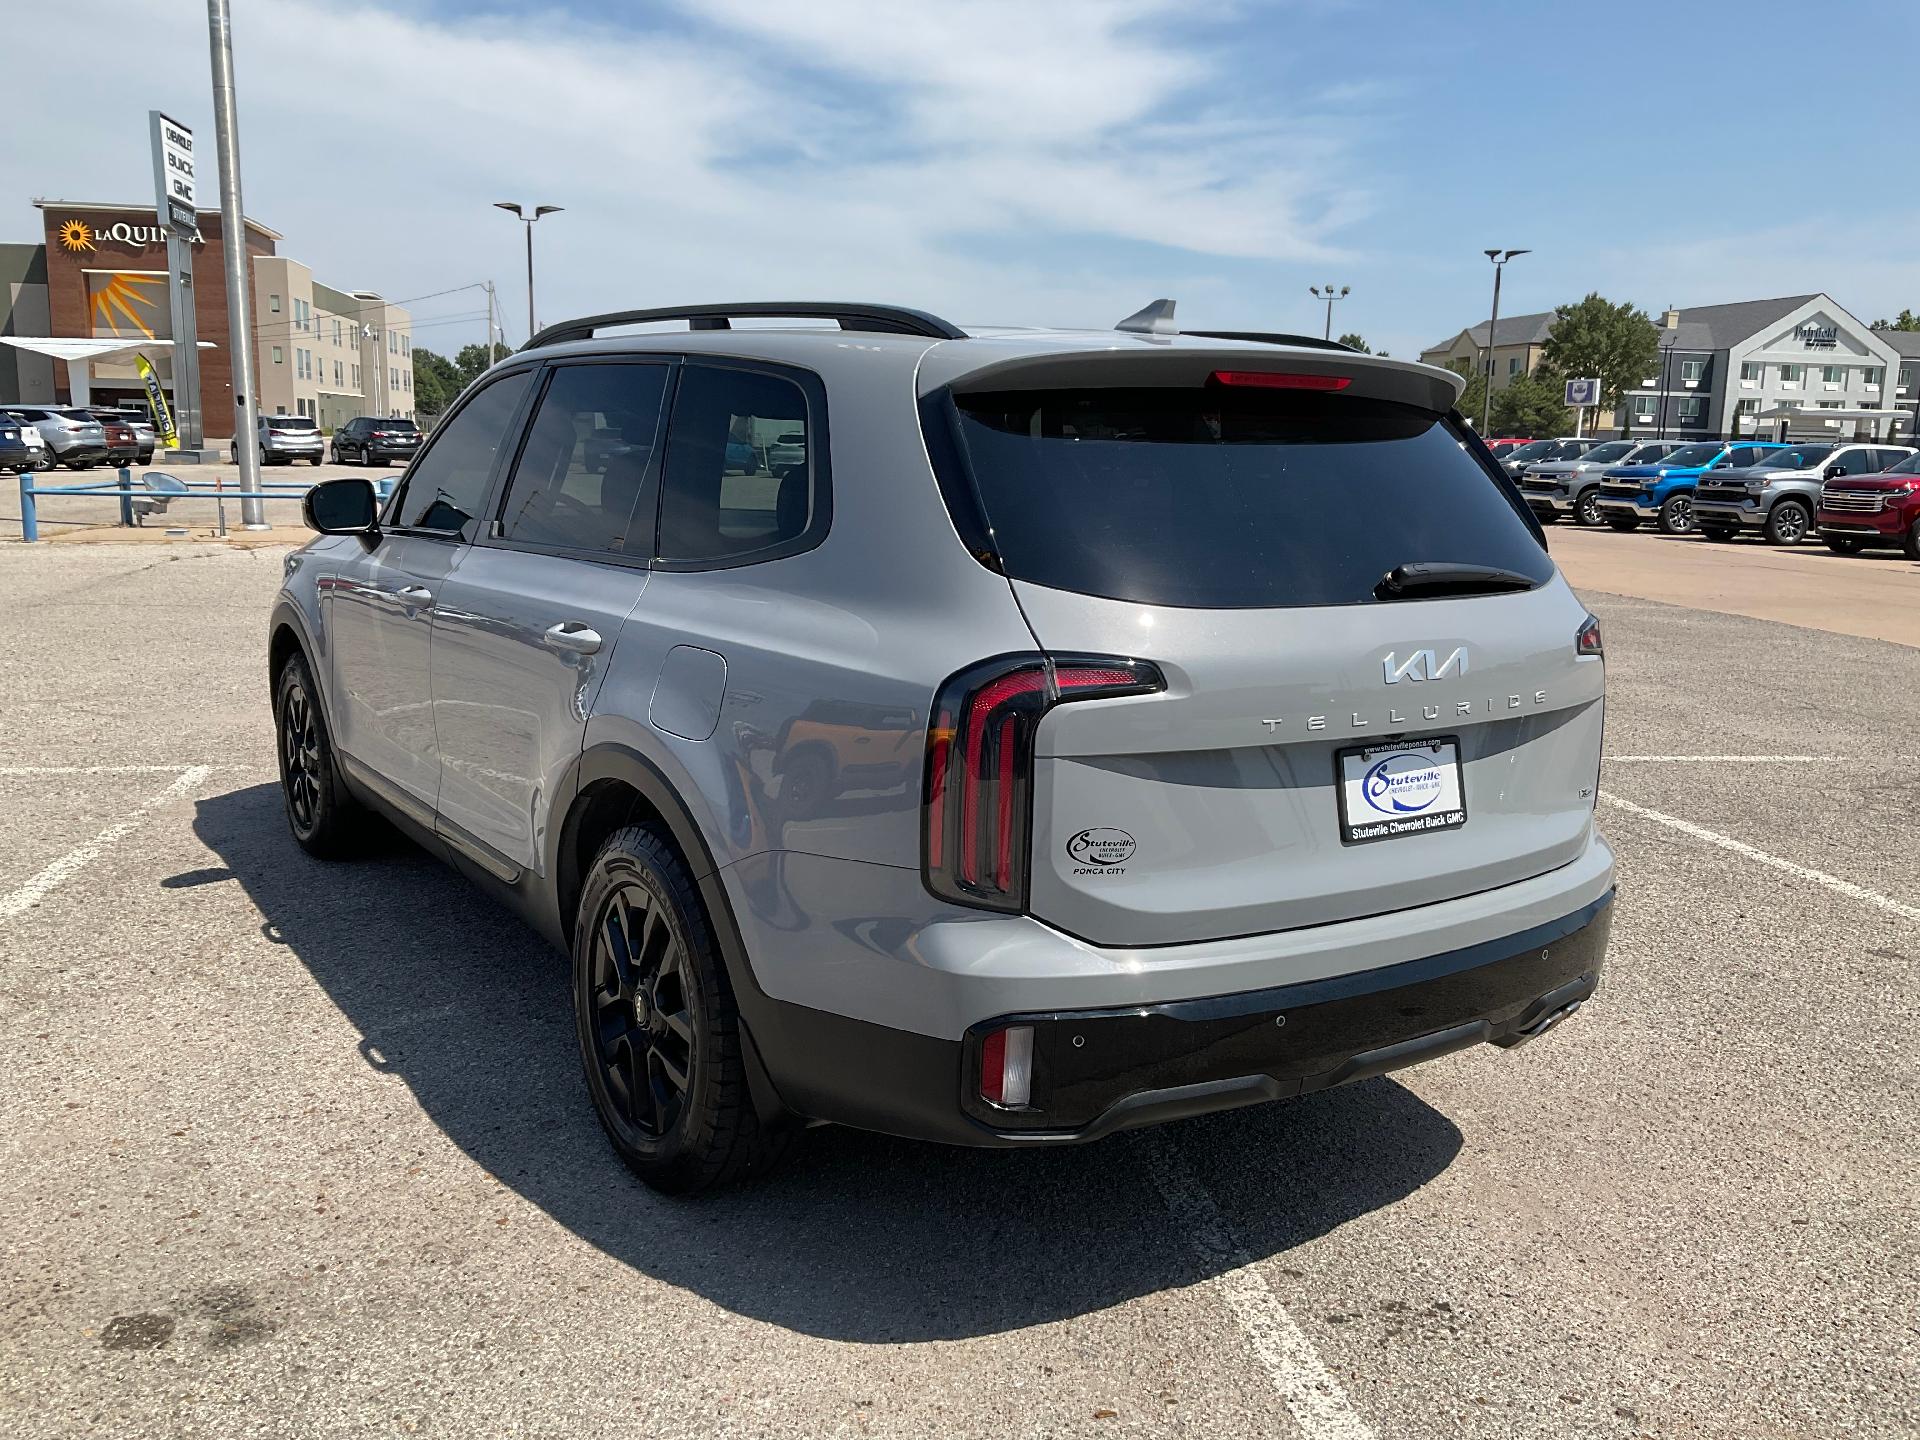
(1499, 259)
(1326, 292)
(521, 214)
(1666, 358)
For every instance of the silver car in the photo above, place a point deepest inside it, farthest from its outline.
(72, 437)
(1571, 487)
(1779, 496)
(1052, 733)
(287, 438)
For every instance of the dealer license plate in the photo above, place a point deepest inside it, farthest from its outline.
(1387, 791)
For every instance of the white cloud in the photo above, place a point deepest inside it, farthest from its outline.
(994, 159)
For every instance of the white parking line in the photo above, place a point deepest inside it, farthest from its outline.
(1721, 759)
(1312, 1396)
(1740, 847)
(81, 856)
(28, 770)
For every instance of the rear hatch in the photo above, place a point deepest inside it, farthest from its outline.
(1323, 746)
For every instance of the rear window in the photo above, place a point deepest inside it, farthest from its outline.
(393, 425)
(1227, 499)
(290, 422)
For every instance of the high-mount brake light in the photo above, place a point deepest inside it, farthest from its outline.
(976, 820)
(1586, 640)
(1281, 380)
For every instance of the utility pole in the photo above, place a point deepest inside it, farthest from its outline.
(1499, 260)
(233, 244)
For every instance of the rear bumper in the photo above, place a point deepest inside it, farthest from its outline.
(1097, 1071)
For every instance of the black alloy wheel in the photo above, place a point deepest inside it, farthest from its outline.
(642, 1009)
(659, 1029)
(1788, 523)
(322, 815)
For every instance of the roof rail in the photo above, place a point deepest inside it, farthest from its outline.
(884, 319)
(1264, 337)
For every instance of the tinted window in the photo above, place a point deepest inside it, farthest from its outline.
(1690, 455)
(1796, 457)
(738, 475)
(401, 425)
(578, 481)
(1612, 450)
(1532, 450)
(1230, 499)
(448, 484)
(291, 422)
(1909, 465)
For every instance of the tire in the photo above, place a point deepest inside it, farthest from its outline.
(1624, 523)
(1586, 509)
(1911, 549)
(1843, 544)
(326, 821)
(1676, 515)
(336, 454)
(1720, 534)
(1788, 523)
(658, 1027)
(315, 461)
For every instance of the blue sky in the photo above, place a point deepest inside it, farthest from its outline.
(1034, 160)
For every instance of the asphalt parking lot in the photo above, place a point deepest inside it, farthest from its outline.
(303, 1150)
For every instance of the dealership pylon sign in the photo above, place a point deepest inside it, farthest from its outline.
(176, 197)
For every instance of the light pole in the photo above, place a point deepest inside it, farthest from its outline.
(234, 258)
(1666, 357)
(1326, 292)
(1499, 259)
(529, 219)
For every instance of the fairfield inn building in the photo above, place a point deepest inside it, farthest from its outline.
(100, 273)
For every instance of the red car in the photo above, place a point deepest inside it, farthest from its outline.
(1505, 443)
(1881, 509)
(123, 445)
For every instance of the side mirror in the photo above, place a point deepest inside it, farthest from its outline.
(1834, 471)
(341, 507)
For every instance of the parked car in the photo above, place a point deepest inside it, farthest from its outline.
(16, 454)
(143, 431)
(1567, 447)
(1135, 870)
(1506, 444)
(1874, 511)
(286, 438)
(1780, 494)
(1662, 490)
(369, 440)
(1553, 488)
(73, 437)
(123, 442)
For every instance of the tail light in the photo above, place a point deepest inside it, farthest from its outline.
(977, 815)
(1006, 1067)
(1586, 640)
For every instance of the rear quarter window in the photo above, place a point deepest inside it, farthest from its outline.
(1228, 499)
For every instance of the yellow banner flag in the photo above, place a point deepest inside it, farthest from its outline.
(157, 402)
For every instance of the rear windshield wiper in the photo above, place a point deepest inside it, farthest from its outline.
(1444, 577)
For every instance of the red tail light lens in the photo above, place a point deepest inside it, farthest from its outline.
(979, 769)
(1586, 640)
(1281, 380)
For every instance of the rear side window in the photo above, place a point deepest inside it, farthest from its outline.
(740, 481)
(1230, 499)
(578, 481)
(447, 486)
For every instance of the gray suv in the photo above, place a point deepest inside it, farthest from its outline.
(1780, 496)
(287, 438)
(1046, 732)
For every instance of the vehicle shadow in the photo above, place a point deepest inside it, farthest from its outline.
(863, 1238)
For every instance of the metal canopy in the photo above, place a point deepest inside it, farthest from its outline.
(81, 355)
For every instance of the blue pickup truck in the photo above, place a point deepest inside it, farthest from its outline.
(1663, 492)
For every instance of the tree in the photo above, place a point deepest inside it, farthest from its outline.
(1907, 321)
(1615, 344)
(1533, 404)
(1354, 342)
(436, 381)
(1473, 399)
(473, 359)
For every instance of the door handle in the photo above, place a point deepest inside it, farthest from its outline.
(573, 637)
(413, 597)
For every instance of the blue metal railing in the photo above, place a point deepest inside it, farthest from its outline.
(156, 491)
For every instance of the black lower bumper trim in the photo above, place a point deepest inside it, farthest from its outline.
(1099, 1071)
